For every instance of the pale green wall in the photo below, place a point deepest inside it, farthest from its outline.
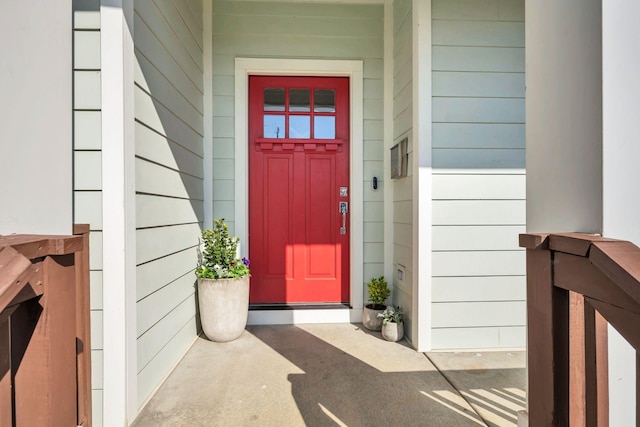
(169, 181)
(478, 284)
(300, 30)
(87, 146)
(403, 127)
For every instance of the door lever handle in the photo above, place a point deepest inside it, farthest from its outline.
(344, 207)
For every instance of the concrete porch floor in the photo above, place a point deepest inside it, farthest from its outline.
(335, 374)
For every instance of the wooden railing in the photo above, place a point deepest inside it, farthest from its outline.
(577, 283)
(45, 349)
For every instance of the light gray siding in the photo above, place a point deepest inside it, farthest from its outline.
(300, 30)
(403, 127)
(478, 287)
(87, 149)
(169, 182)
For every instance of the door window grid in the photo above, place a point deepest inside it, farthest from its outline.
(299, 120)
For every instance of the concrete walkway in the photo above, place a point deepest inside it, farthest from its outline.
(334, 374)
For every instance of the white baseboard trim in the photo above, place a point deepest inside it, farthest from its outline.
(293, 317)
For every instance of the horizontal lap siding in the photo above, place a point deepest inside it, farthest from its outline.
(403, 127)
(169, 181)
(478, 287)
(87, 146)
(310, 31)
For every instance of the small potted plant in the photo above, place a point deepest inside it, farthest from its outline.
(392, 323)
(223, 285)
(378, 293)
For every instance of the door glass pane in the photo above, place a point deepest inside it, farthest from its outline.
(273, 99)
(300, 127)
(324, 100)
(273, 126)
(324, 127)
(299, 100)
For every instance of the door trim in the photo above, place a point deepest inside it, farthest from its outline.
(244, 67)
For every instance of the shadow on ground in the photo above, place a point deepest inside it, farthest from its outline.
(340, 388)
(315, 375)
(494, 383)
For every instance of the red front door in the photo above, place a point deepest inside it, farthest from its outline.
(299, 189)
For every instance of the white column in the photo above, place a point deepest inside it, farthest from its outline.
(36, 184)
(564, 116)
(421, 299)
(621, 152)
(119, 228)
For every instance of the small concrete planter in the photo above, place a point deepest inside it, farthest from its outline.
(370, 319)
(393, 331)
(224, 307)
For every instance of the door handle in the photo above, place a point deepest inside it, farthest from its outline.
(344, 208)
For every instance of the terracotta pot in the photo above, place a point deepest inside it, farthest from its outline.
(393, 331)
(224, 307)
(370, 319)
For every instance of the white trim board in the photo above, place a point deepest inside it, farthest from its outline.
(244, 67)
(118, 213)
(302, 316)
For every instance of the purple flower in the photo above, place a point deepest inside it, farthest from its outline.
(245, 261)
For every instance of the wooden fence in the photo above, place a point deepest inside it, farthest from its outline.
(577, 283)
(45, 349)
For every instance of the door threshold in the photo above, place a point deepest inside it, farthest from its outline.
(300, 306)
(291, 314)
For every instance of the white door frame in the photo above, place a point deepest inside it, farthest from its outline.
(244, 67)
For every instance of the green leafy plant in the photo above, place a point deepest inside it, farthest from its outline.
(378, 292)
(393, 315)
(219, 259)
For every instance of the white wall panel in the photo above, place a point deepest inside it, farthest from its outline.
(479, 84)
(86, 50)
(86, 95)
(478, 263)
(478, 33)
(151, 342)
(159, 242)
(478, 158)
(473, 110)
(479, 212)
(152, 276)
(479, 314)
(88, 208)
(157, 211)
(464, 58)
(163, 363)
(87, 170)
(159, 149)
(473, 237)
(485, 288)
(155, 179)
(478, 135)
(87, 130)
(479, 187)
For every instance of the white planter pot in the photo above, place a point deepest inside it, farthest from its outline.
(224, 307)
(370, 319)
(393, 331)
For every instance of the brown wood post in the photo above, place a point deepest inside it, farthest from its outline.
(45, 380)
(637, 388)
(83, 327)
(577, 338)
(6, 389)
(548, 334)
(596, 368)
